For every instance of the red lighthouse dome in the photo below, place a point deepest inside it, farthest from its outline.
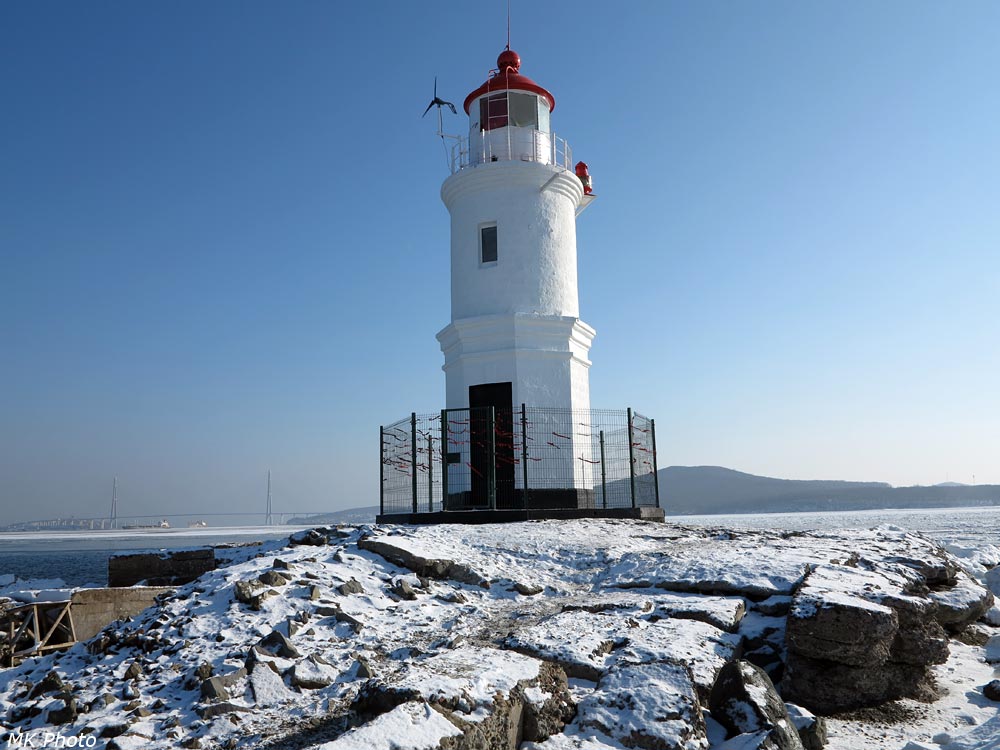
(507, 77)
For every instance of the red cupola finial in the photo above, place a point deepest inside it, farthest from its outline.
(508, 59)
(507, 77)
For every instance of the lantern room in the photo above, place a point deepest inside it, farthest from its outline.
(509, 116)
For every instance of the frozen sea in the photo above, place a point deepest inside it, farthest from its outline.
(80, 558)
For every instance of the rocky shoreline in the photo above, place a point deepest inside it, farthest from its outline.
(544, 635)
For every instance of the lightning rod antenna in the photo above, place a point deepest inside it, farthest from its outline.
(508, 24)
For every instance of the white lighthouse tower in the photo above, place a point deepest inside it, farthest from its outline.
(515, 335)
(518, 438)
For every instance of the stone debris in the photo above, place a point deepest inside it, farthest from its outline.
(992, 690)
(403, 590)
(273, 578)
(214, 690)
(277, 643)
(350, 587)
(469, 639)
(811, 728)
(312, 674)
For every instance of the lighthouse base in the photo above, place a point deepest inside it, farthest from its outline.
(536, 499)
(518, 462)
(529, 514)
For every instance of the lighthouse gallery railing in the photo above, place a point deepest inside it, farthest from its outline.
(523, 457)
(510, 144)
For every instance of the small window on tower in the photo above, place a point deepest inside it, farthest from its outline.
(488, 244)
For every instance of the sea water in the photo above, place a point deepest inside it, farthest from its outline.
(80, 558)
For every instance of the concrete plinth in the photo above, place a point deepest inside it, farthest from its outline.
(531, 514)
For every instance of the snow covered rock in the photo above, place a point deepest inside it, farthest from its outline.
(586, 645)
(212, 689)
(865, 631)
(841, 627)
(252, 593)
(992, 579)
(496, 698)
(310, 537)
(811, 728)
(61, 711)
(962, 604)
(744, 701)
(993, 650)
(407, 554)
(277, 643)
(652, 705)
(992, 690)
(312, 674)
(267, 686)
(273, 578)
(468, 659)
(992, 615)
(723, 612)
(413, 722)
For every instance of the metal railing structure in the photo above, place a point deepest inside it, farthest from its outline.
(485, 458)
(510, 144)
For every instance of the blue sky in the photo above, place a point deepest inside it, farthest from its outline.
(223, 248)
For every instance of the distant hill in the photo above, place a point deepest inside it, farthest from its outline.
(714, 489)
(688, 490)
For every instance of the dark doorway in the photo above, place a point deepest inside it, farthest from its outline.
(496, 439)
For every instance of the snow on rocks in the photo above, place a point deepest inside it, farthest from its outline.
(313, 673)
(409, 726)
(725, 613)
(992, 653)
(462, 637)
(496, 697)
(744, 701)
(865, 630)
(962, 604)
(646, 706)
(811, 728)
(409, 553)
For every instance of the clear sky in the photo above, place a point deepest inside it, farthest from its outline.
(222, 247)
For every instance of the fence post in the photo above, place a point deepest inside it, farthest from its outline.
(444, 459)
(381, 470)
(631, 458)
(413, 456)
(604, 476)
(656, 478)
(430, 472)
(491, 465)
(524, 455)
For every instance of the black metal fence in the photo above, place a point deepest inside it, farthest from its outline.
(518, 458)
